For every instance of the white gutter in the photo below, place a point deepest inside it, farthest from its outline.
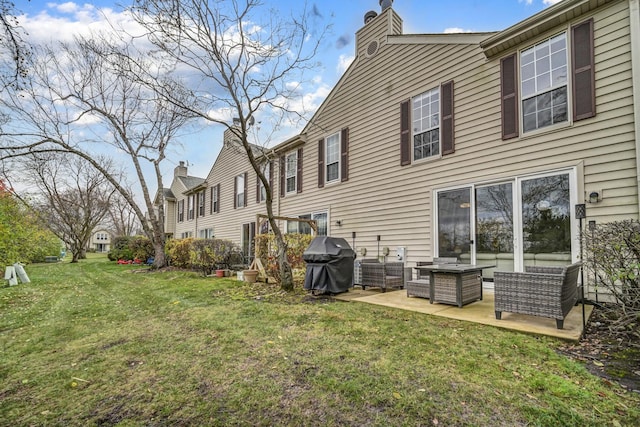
(634, 24)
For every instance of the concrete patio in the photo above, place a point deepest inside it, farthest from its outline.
(477, 312)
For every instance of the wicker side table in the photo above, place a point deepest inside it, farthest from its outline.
(458, 288)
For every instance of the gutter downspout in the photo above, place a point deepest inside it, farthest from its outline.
(634, 26)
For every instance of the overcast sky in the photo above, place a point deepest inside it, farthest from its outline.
(55, 20)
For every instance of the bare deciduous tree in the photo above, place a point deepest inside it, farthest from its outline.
(73, 197)
(242, 60)
(121, 219)
(86, 99)
(13, 50)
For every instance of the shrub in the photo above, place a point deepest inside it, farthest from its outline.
(179, 252)
(210, 254)
(23, 236)
(296, 245)
(129, 248)
(613, 261)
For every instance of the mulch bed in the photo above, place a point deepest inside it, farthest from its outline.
(613, 356)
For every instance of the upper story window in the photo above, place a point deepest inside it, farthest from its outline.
(181, 210)
(267, 169)
(201, 203)
(190, 207)
(538, 84)
(543, 83)
(215, 199)
(332, 159)
(291, 162)
(240, 185)
(426, 124)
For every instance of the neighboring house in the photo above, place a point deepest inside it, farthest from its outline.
(100, 241)
(478, 146)
(180, 202)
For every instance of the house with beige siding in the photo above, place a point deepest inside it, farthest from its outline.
(100, 241)
(181, 202)
(477, 146)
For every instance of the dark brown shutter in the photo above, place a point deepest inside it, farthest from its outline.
(405, 133)
(582, 67)
(509, 96)
(344, 155)
(446, 95)
(299, 172)
(321, 163)
(235, 192)
(283, 174)
(246, 186)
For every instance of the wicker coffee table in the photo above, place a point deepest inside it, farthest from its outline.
(456, 284)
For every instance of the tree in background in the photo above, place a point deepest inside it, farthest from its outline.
(23, 237)
(242, 61)
(84, 99)
(74, 197)
(13, 50)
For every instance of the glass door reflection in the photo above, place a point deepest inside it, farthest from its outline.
(454, 224)
(494, 227)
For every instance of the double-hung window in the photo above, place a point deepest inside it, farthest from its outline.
(332, 158)
(261, 191)
(181, 210)
(201, 203)
(550, 82)
(190, 207)
(543, 83)
(291, 162)
(215, 199)
(241, 190)
(426, 124)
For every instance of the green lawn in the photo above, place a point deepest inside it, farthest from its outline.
(96, 343)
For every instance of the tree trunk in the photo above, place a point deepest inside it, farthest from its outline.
(159, 259)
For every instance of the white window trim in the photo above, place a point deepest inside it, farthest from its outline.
(240, 191)
(267, 174)
(294, 175)
(326, 159)
(569, 86)
(415, 131)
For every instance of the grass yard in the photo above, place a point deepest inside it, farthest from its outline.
(96, 343)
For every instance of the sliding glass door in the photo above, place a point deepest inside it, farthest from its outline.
(546, 220)
(454, 224)
(518, 222)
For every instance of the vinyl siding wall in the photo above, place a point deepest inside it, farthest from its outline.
(227, 224)
(383, 198)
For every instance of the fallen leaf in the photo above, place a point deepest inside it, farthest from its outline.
(396, 395)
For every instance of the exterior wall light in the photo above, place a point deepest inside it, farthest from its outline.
(594, 197)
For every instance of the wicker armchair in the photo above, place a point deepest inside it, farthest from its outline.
(539, 291)
(420, 286)
(382, 275)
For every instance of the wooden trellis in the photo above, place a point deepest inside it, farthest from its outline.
(260, 219)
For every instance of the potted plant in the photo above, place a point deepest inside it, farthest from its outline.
(250, 276)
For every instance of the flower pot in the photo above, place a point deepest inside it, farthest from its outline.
(219, 273)
(250, 276)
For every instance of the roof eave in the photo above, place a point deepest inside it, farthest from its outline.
(537, 24)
